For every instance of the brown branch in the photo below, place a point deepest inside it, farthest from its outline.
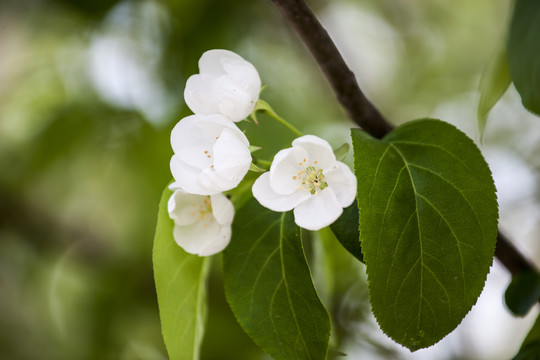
(341, 78)
(358, 107)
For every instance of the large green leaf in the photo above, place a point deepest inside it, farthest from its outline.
(428, 226)
(530, 349)
(269, 287)
(524, 52)
(180, 285)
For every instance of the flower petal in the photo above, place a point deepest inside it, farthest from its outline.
(220, 242)
(318, 149)
(196, 237)
(233, 101)
(211, 61)
(183, 208)
(174, 186)
(232, 157)
(343, 182)
(199, 96)
(193, 138)
(276, 202)
(318, 211)
(189, 132)
(186, 176)
(245, 75)
(198, 131)
(285, 169)
(213, 183)
(222, 209)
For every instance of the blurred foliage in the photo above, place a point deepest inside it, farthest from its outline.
(89, 91)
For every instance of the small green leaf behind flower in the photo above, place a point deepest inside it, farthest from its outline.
(493, 84)
(255, 168)
(342, 152)
(346, 231)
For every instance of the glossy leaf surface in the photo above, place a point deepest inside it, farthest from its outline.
(428, 224)
(269, 288)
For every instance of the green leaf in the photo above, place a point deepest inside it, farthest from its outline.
(269, 287)
(428, 227)
(523, 292)
(530, 349)
(493, 84)
(342, 152)
(180, 285)
(255, 168)
(346, 231)
(524, 52)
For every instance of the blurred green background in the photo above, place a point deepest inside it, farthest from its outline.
(89, 91)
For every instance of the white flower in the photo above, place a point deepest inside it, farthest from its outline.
(308, 178)
(202, 224)
(211, 154)
(227, 85)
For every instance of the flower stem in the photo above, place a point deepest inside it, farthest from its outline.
(264, 107)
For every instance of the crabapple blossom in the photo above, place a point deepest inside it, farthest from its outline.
(202, 223)
(211, 154)
(308, 179)
(227, 85)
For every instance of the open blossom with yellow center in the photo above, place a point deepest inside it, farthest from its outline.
(307, 178)
(202, 224)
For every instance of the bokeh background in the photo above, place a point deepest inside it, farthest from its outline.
(89, 91)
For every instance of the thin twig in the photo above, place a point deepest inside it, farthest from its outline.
(358, 107)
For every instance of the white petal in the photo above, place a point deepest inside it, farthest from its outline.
(193, 138)
(189, 133)
(222, 240)
(318, 211)
(343, 182)
(174, 186)
(232, 157)
(211, 61)
(245, 75)
(199, 95)
(213, 183)
(233, 101)
(198, 236)
(186, 176)
(318, 149)
(183, 208)
(222, 208)
(284, 172)
(198, 130)
(276, 202)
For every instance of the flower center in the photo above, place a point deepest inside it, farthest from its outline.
(209, 154)
(203, 211)
(311, 178)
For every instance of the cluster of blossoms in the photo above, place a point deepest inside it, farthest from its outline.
(212, 155)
